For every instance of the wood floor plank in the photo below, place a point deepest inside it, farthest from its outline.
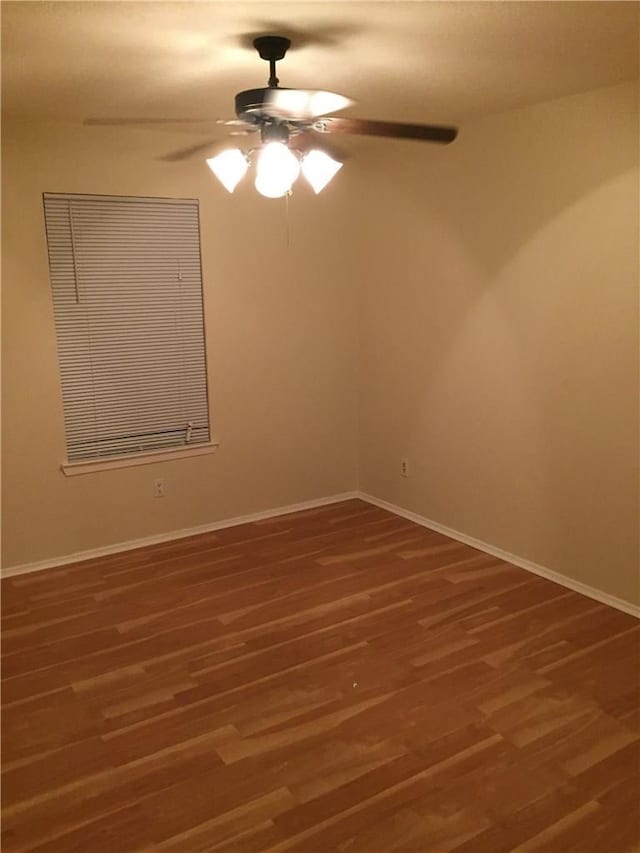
(338, 679)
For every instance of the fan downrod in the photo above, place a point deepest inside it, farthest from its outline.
(272, 49)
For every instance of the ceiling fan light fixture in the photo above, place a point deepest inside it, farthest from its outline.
(229, 167)
(319, 168)
(276, 170)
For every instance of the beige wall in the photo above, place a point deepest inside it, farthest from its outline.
(499, 345)
(488, 292)
(281, 349)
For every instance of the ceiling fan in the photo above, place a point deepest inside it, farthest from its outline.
(289, 120)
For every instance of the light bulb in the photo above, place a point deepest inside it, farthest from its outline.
(318, 168)
(276, 170)
(229, 167)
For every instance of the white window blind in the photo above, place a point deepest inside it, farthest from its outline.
(127, 296)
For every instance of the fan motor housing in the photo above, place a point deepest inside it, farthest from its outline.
(252, 105)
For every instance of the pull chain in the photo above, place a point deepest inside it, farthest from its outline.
(286, 214)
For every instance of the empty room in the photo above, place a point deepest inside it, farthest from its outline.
(320, 426)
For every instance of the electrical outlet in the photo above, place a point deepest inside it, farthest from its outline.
(159, 488)
(404, 467)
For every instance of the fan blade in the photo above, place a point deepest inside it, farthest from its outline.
(185, 153)
(304, 103)
(118, 122)
(393, 129)
(308, 139)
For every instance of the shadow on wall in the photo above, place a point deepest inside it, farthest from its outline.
(507, 176)
(502, 294)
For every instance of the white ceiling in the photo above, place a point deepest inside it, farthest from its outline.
(422, 61)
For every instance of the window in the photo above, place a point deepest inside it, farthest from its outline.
(127, 297)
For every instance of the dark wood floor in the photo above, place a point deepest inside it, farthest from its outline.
(337, 679)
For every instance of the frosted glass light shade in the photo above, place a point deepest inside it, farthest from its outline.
(271, 187)
(229, 167)
(276, 170)
(319, 168)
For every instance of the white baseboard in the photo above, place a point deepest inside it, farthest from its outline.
(520, 562)
(118, 547)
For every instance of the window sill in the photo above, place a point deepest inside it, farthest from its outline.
(72, 469)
